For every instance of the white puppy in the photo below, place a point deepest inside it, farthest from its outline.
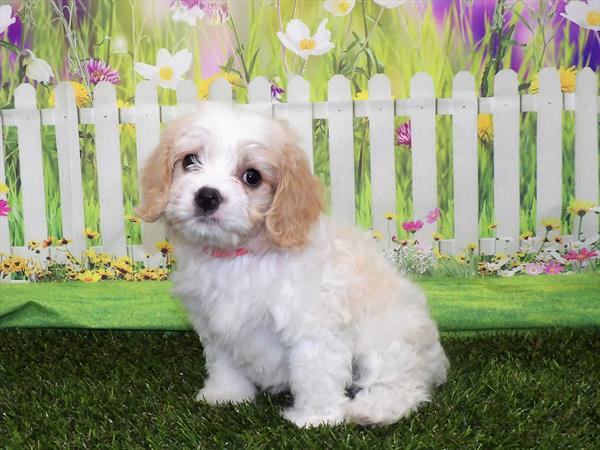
(282, 298)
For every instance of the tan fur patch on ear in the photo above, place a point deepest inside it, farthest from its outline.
(298, 200)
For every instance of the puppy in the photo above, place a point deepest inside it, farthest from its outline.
(280, 296)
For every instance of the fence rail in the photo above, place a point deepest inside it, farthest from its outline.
(339, 110)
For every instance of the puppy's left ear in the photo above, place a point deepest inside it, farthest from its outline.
(298, 200)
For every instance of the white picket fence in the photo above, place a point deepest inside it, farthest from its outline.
(422, 107)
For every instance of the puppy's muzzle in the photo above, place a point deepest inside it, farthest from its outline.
(208, 199)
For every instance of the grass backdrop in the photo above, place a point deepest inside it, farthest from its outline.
(398, 42)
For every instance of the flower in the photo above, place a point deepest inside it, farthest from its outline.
(493, 226)
(527, 235)
(276, 90)
(5, 18)
(583, 255)
(169, 68)
(32, 245)
(165, 247)
(551, 224)
(91, 234)
(64, 241)
(553, 268)
(4, 208)
(232, 78)
(361, 95)
(125, 127)
(3, 188)
(485, 128)
(580, 207)
(188, 11)
(82, 95)
(99, 71)
(412, 226)
(437, 236)
(216, 11)
(377, 235)
(390, 216)
(297, 39)
(403, 135)
(339, 7)
(48, 242)
(583, 14)
(89, 277)
(534, 269)
(132, 219)
(472, 246)
(567, 80)
(433, 215)
(389, 4)
(37, 69)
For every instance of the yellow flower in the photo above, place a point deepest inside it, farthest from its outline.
(106, 274)
(485, 128)
(551, 224)
(132, 219)
(64, 241)
(3, 188)
(13, 264)
(232, 78)
(437, 236)
(493, 226)
(104, 258)
(148, 274)
(164, 247)
(472, 246)
(580, 207)
(90, 253)
(48, 242)
(123, 265)
(460, 258)
(527, 235)
(32, 245)
(361, 95)
(127, 127)
(91, 234)
(82, 96)
(377, 235)
(390, 216)
(567, 80)
(89, 277)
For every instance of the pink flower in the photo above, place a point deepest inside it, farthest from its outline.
(4, 208)
(403, 136)
(101, 71)
(217, 11)
(553, 268)
(534, 269)
(583, 255)
(433, 215)
(412, 226)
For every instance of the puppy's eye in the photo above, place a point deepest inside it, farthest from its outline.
(191, 161)
(252, 177)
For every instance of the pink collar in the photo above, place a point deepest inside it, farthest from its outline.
(218, 253)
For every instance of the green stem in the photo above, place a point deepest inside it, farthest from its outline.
(543, 242)
(579, 228)
(110, 27)
(238, 49)
(367, 35)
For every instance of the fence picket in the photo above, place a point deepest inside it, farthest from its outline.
(187, 97)
(259, 96)
(69, 167)
(424, 172)
(298, 114)
(220, 91)
(108, 162)
(147, 136)
(381, 145)
(30, 164)
(464, 151)
(341, 149)
(506, 119)
(549, 148)
(586, 146)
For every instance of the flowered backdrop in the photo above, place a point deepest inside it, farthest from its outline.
(125, 41)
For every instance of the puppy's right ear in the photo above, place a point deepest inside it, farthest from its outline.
(155, 180)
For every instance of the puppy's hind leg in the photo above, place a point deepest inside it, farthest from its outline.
(392, 384)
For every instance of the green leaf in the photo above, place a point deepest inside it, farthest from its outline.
(7, 45)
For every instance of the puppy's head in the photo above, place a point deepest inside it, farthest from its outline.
(223, 177)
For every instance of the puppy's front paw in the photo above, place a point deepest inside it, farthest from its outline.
(216, 396)
(311, 418)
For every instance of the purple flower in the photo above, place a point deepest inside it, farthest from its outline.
(403, 136)
(99, 71)
(433, 215)
(553, 268)
(4, 208)
(534, 269)
(276, 91)
(412, 226)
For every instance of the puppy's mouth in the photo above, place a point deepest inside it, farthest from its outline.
(207, 220)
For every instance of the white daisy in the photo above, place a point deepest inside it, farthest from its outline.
(37, 69)
(169, 69)
(389, 4)
(5, 17)
(339, 7)
(586, 15)
(297, 39)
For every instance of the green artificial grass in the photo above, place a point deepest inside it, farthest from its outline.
(130, 390)
(458, 304)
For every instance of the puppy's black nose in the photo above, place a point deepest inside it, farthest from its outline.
(208, 199)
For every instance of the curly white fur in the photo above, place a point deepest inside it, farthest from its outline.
(316, 318)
